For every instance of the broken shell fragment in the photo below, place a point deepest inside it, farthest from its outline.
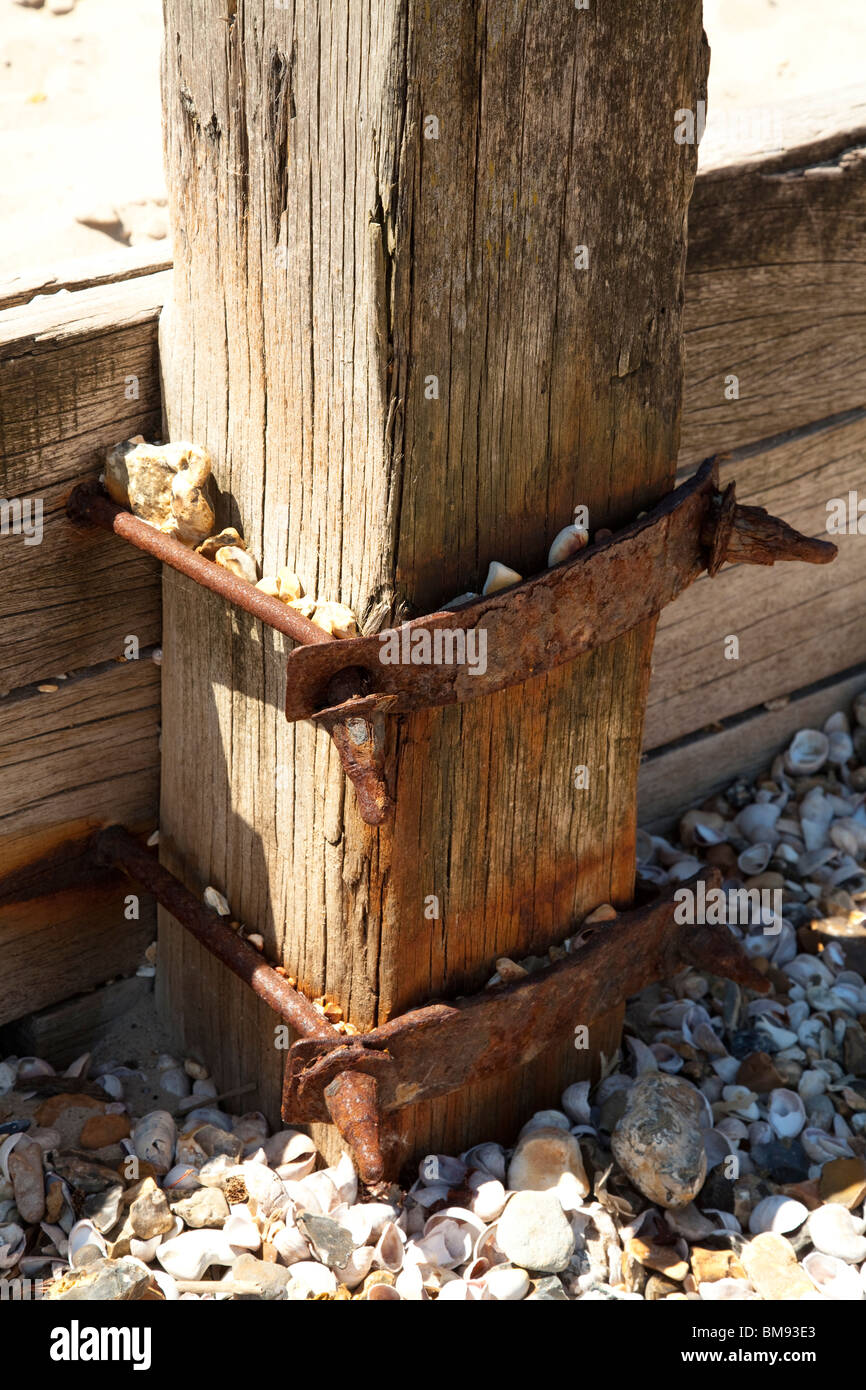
(213, 898)
(228, 536)
(568, 542)
(238, 562)
(499, 577)
(807, 753)
(335, 618)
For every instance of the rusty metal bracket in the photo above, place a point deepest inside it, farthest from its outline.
(347, 686)
(355, 1082)
(544, 622)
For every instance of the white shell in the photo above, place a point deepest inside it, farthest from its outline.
(834, 1230)
(833, 1277)
(315, 1277)
(787, 1113)
(778, 1213)
(807, 752)
(190, 1254)
(215, 899)
(154, 1137)
(506, 1283)
(499, 577)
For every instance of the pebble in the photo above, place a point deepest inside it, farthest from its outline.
(101, 1130)
(534, 1232)
(507, 1283)
(270, 1281)
(150, 1214)
(28, 1183)
(332, 1243)
(102, 1280)
(658, 1141)
(206, 1207)
(547, 1157)
(758, 1073)
(834, 1230)
(843, 1180)
(709, 1266)
(548, 1290)
(771, 1265)
(664, 1259)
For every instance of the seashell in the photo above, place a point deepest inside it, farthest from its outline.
(291, 1153)
(314, 1277)
(368, 1220)
(441, 1168)
(703, 828)
(228, 536)
(834, 1278)
(841, 748)
(757, 822)
(388, 1253)
(686, 866)
(821, 1147)
(238, 562)
(381, 1293)
(240, 1230)
(727, 1290)
(667, 1059)
(499, 576)
(644, 847)
(357, 1267)
(410, 1284)
(335, 618)
(787, 1113)
(145, 1250)
(755, 859)
(8, 1073)
(287, 1240)
(154, 1137)
(834, 1230)
(779, 1037)
(777, 1213)
(13, 1240)
(644, 1057)
(741, 1101)
(575, 1102)
(214, 899)
(809, 970)
(85, 1244)
(486, 1247)
(29, 1067)
(567, 542)
(459, 602)
(190, 1254)
(807, 752)
(717, 1146)
(488, 1157)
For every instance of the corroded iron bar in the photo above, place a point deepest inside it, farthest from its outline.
(88, 504)
(443, 1047)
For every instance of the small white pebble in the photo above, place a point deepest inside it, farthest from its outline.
(156, 656)
(499, 577)
(255, 940)
(153, 839)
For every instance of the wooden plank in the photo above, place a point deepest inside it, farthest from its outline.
(63, 1031)
(776, 283)
(83, 273)
(76, 375)
(789, 619)
(672, 779)
(361, 259)
(84, 756)
(55, 946)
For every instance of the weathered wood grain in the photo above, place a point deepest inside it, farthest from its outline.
(84, 273)
(330, 261)
(61, 1032)
(82, 756)
(676, 777)
(791, 620)
(776, 285)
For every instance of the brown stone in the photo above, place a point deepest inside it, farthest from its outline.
(805, 1192)
(102, 1130)
(758, 1072)
(710, 1265)
(50, 1110)
(843, 1180)
(662, 1258)
(28, 1182)
(657, 1287)
(771, 1264)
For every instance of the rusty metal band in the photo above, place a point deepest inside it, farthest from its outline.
(441, 1048)
(533, 627)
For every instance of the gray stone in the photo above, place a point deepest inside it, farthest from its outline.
(332, 1242)
(149, 1214)
(206, 1207)
(658, 1141)
(103, 1281)
(535, 1233)
(547, 1290)
(269, 1280)
(103, 1208)
(28, 1181)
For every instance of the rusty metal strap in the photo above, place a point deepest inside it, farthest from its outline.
(440, 1048)
(607, 590)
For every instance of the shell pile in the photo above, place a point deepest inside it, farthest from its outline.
(166, 484)
(722, 1156)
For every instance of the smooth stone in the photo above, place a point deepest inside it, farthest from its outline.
(658, 1142)
(777, 1213)
(709, 1266)
(833, 1230)
(543, 1157)
(759, 1074)
(843, 1180)
(507, 1284)
(771, 1264)
(101, 1130)
(664, 1259)
(534, 1232)
(548, 1290)
(657, 1288)
(150, 1214)
(332, 1242)
(28, 1181)
(206, 1207)
(270, 1280)
(783, 1160)
(101, 1281)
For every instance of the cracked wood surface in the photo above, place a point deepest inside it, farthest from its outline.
(329, 262)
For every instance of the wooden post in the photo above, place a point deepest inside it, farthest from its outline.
(427, 300)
